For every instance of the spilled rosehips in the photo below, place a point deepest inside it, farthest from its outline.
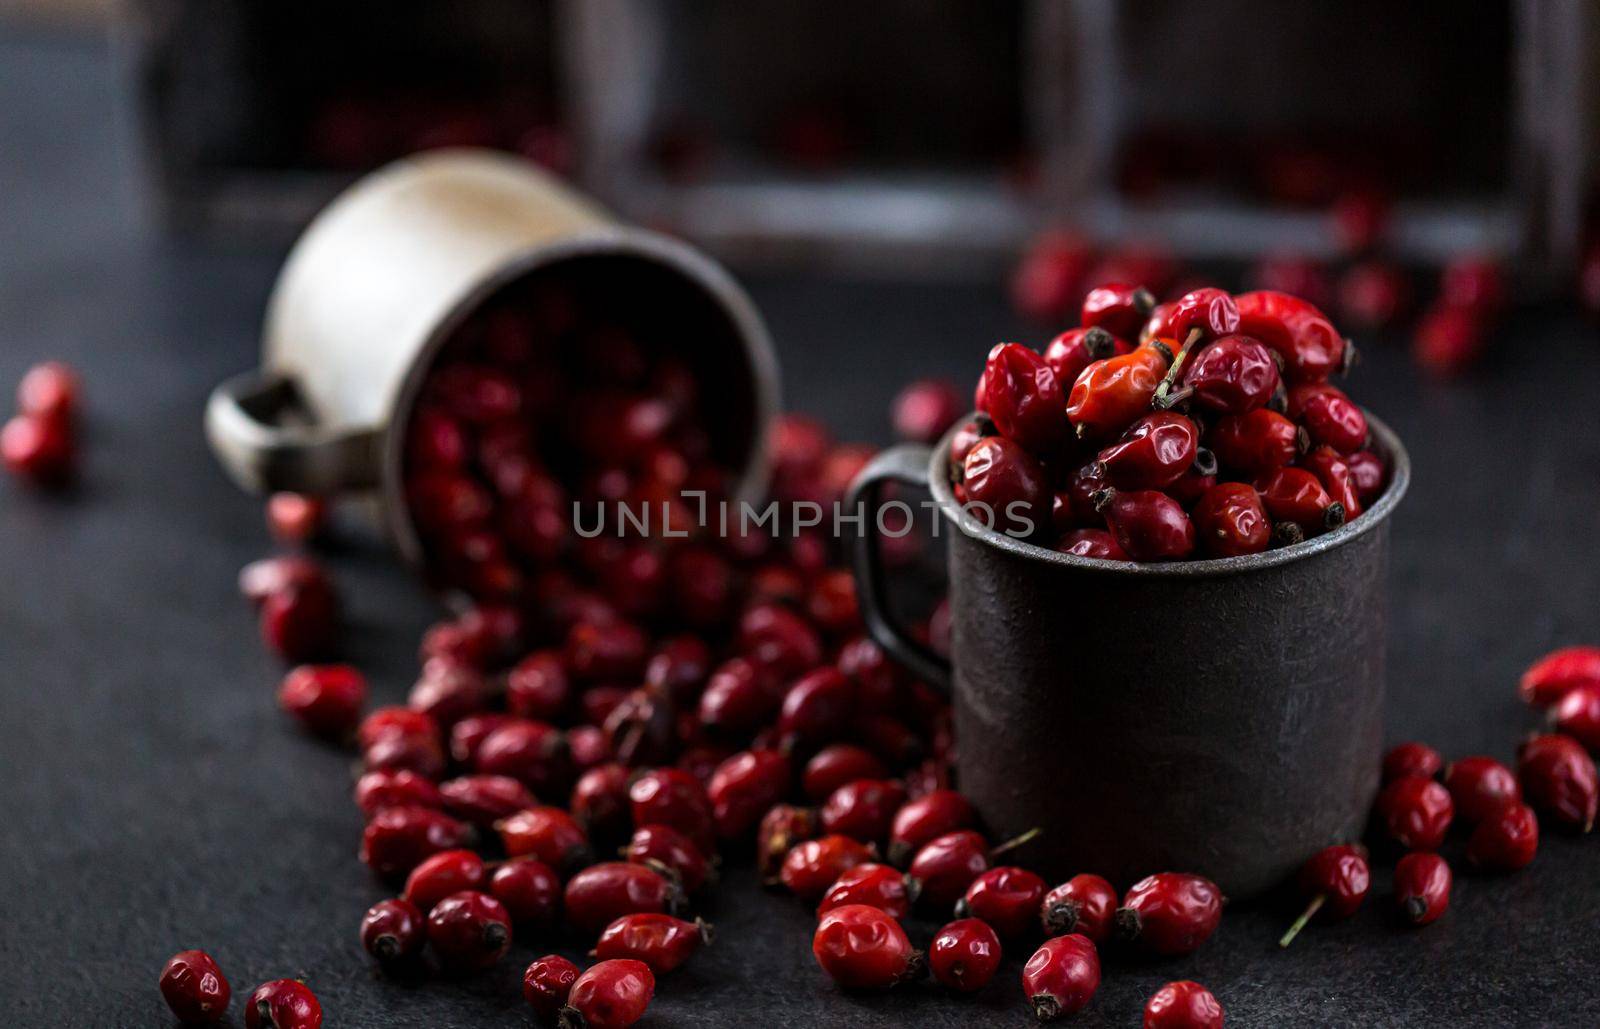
(610, 995)
(469, 931)
(1548, 679)
(1415, 812)
(1061, 977)
(659, 940)
(1505, 840)
(1336, 879)
(1170, 913)
(603, 893)
(283, 1004)
(1086, 904)
(964, 955)
(548, 982)
(874, 885)
(1007, 898)
(1183, 1005)
(1422, 887)
(1558, 780)
(1478, 787)
(863, 948)
(194, 987)
(394, 931)
(1411, 759)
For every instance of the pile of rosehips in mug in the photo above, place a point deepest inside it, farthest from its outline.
(1204, 427)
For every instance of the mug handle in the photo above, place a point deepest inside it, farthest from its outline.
(263, 452)
(906, 463)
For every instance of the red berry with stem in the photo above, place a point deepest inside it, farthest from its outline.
(863, 809)
(782, 828)
(326, 699)
(964, 955)
(1550, 678)
(1117, 307)
(529, 889)
(398, 839)
(1210, 312)
(194, 987)
(1506, 840)
(1558, 779)
(1411, 759)
(924, 409)
(875, 885)
(1149, 526)
(49, 389)
(1234, 375)
(469, 930)
(547, 833)
(1183, 1005)
(660, 941)
(946, 866)
(745, 786)
(1479, 785)
(548, 982)
(394, 930)
(1230, 521)
(1415, 812)
(1154, 453)
(1061, 977)
(1076, 349)
(1085, 904)
(1422, 887)
(862, 948)
(661, 846)
(836, 765)
(603, 893)
(447, 872)
(1005, 485)
(814, 865)
(283, 1004)
(1110, 394)
(1336, 879)
(925, 818)
(485, 799)
(610, 995)
(1170, 913)
(1295, 495)
(1578, 714)
(37, 449)
(1006, 898)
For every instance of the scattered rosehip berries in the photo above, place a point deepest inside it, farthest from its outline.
(1422, 887)
(610, 995)
(1061, 977)
(1336, 880)
(964, 955)
(1170, 913)
(1183, 1005)
(863, 948)
(548, 982)
(195, 988)
(283, 1004)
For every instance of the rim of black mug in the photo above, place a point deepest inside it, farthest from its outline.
(1382, 438)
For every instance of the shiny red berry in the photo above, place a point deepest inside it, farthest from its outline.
(778, 640)
(38, 449)
(875, 885)
(1549, 679)
(1331, 417)
(1256, 444)
(529, 889)
(1007, 898)
(1086, 904)
(945, 866)
(1091, 543)
(398, 839)
(964, 955)
(1333, 472)
(1148, 525)
(1296, 496)
(1006, 487)
(1024, 399)
(1045, 285)
(1558, 779)
(1209, 312)
(299, 623)
(394, 930)
(1415, 812)
(925, 818)
(1411, 759)
(603, 893)
(194, 987)
(1311, 348)
(1230, 521)
(599, 802)
(1152, 454)
(326, 699)
(1170, 913)
(548, 982)
(484, 799)
(446, 872)
(662, 846)
(538, 686)
(1505, 840)
(660, 941)
(1117, 307)
(283, 1004)
(1448, 340)
(1234, 375)
(1578, 714)
(533, 753)
(1076, 349)
(817, 708)
(837, 764)
(1422, 887)
(610, 995)
(814, 865)
(863, 948)
(548, 834)
(1478, 786)
(1183, 1005)
(469, 930)
(1335, 880)
(863, 809)
(671, 796)
(744, 787)
(1061, 977)
(387, 788)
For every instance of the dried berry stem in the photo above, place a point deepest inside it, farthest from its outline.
(1305, 917)
(1163, 398)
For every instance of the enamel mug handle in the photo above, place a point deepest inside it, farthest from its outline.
(263, 449)
(906, 464)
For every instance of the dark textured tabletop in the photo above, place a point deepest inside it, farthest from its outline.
(152, 797)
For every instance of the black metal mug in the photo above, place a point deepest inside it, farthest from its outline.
(1219, 716)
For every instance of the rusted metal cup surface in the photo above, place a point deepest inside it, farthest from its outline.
(383, 277)
(1223, 716)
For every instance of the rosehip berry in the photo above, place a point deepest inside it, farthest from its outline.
(587, 747)
(469, 930)
(1578, 714)
(548, 982)
(387, 788)
(837, 764)
(1336, 879)
(1092, 543)
(745, 786)
(533, 753)
(548, 834)
(600, 803)
(1411, 759)
(529, 889)
(606, 650)
(538, 687)
(299, 623)
(1422, 887)
(781, 829)
(1085, 904)
(1207, 312)
(1229, 521)
(1558, 779)
(1257, 443)
(862, 948)
(1005, 484)
(661, 846)
(779, 641)
(671, 796)
(1333, 473)
(1170, 913)
(37, 449)
(660, 941)
(1415, 812)
(1061, 977)
(1294, 274)
(923, 410)
(814, 865)
(1119, 308)
(1294, 495)
(283, 1004)
(294, 518)
(485, 799)
(1311, 348)
(194, 987)
(1111, 393)
(326, 699)
(603, 893)
(1024, 400)
(1149, 526)
(398, 839)
(1154, 453)
(1366, 473)
(925, 818)
(1474, 282)
(446, 872)
(1448, 340)
(1549, 679)
(1076, 349)
(1479, 786)
(1234, 375)
(947, 865)
(863, 809)
(1182, 1005)
(964, 955)
(679, 666)
(875, 885)
(1331, 417)
(49, 389)
(420, 754)
(738, 699)
(610, 995)
(394, 930)
(1007, 898)
(1505, 840)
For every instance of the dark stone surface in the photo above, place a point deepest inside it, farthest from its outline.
(154, 799)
